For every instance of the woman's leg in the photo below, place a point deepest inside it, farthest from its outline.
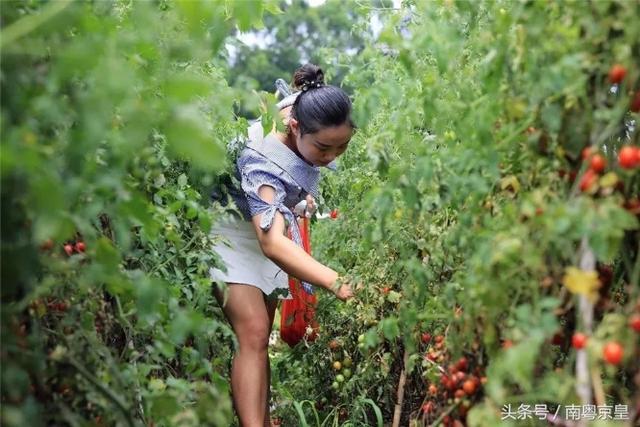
(271, 304)
(247, 312)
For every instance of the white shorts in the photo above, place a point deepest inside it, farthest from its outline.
(246, 264)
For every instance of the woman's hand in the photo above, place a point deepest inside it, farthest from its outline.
(342, 290)
(306, 208)
(311, 205)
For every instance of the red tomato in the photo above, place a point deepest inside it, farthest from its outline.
(628, 157)
(617, 73)
(425, 337)
(613, 353)
(386, 290)
(598, 163)
(433, 389)
(634, 322)
(579, 340)
(80, 246)
(462, 364)
(334, 214)
(588, 180)
(469, 387)
(68, 248)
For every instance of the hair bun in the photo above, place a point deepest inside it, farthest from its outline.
(308, 76)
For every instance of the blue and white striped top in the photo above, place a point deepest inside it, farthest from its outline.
(272, 163)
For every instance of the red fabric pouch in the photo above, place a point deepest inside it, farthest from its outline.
(298, 314)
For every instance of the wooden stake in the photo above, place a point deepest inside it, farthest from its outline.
(403, 379)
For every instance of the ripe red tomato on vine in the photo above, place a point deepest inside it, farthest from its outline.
(612, 353)
(634, 322)
(598, 163)
(617, 73)
(579, 340)
(588, 180)
(629, 157)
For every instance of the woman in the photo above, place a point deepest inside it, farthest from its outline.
(276, 174)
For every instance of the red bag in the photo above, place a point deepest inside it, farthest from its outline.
(298, 313)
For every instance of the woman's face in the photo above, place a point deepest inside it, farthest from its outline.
(322, 147)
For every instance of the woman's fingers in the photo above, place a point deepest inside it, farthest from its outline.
(345, 292)
(311, 205)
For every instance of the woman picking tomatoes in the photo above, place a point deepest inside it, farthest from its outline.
(275, 175)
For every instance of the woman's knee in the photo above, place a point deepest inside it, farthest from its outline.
(253, 334)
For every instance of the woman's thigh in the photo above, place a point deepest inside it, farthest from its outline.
(248, 313)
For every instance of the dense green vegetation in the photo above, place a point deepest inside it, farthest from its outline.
(483, 237)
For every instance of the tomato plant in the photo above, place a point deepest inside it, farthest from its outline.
(486, 213)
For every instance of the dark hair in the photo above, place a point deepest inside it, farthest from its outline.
(319, 105)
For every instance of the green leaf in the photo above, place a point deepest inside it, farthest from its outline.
(150, 293)
(164, 405)
(107, 254)
(248, 13)
(188, 136)
(390, 328)
(185, 87)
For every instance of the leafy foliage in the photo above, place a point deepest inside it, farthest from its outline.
(463, 210)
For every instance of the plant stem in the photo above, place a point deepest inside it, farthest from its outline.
(29, 23)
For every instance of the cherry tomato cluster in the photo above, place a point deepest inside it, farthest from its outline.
(70, 247)
(628, 158)
(77, 247)
(628, 155)
(612, 352)
(456, 386)
(57, 305)
(341, 365)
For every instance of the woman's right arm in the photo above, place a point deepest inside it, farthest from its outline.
(291, 257)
